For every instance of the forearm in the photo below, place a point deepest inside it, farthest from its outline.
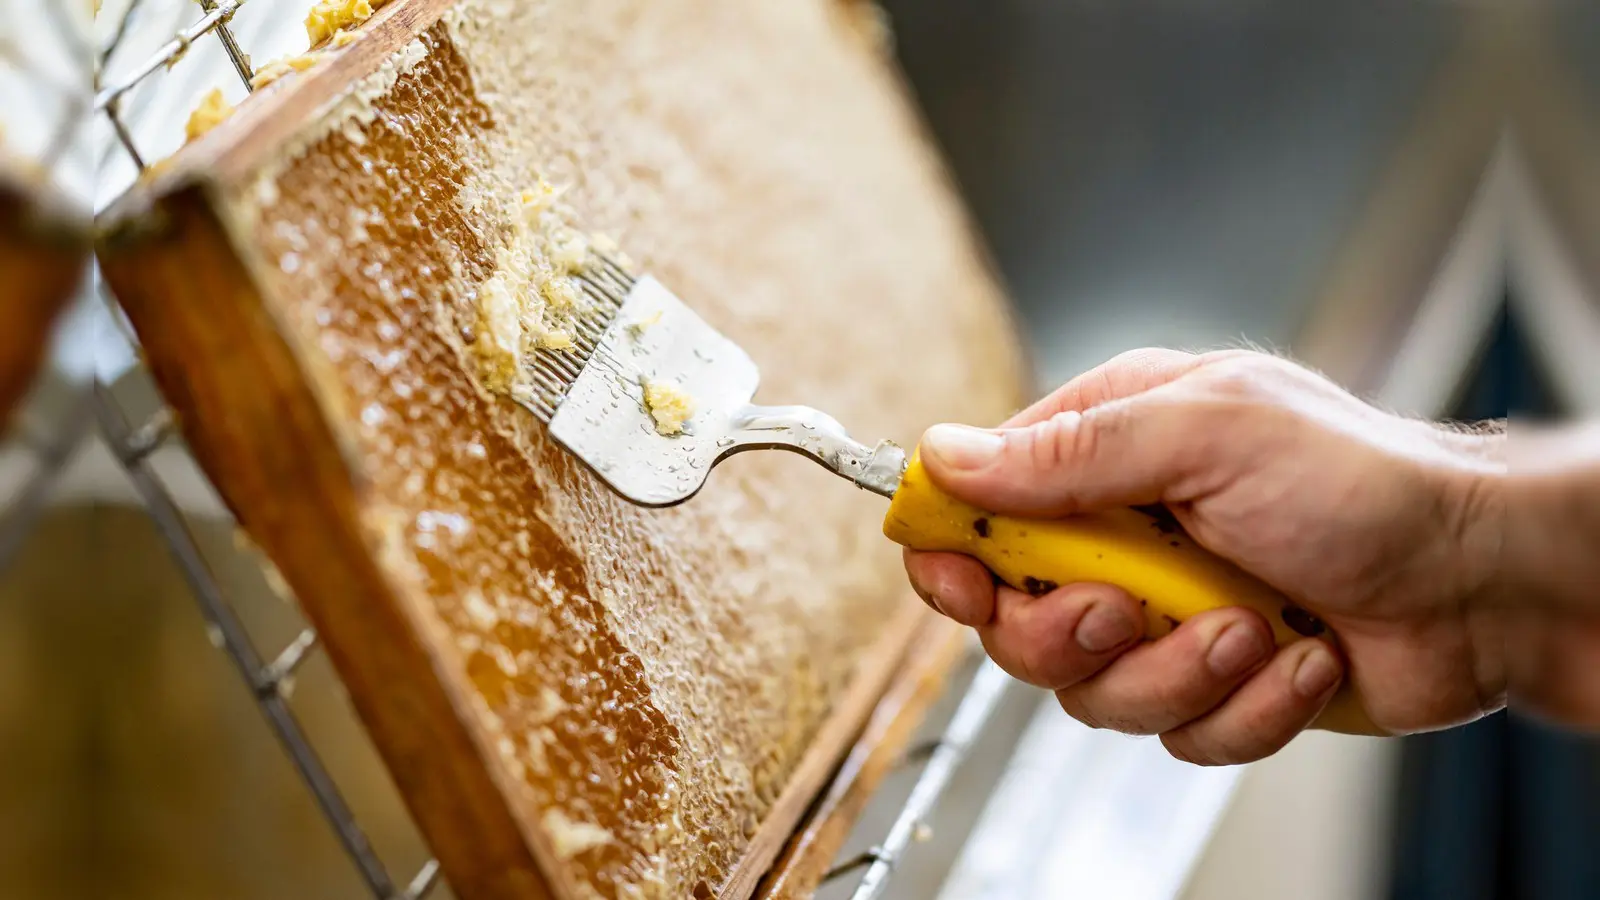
(1550, 556)
(1549, 581)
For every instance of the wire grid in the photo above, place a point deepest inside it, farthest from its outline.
(108, 99)
(133, 445)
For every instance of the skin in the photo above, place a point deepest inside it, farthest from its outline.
(1549, 585)
(1388, 528)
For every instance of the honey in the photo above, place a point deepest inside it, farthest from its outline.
(668, 405)
(454, 486)
(212, 109)
(329, 17)
(278, 68)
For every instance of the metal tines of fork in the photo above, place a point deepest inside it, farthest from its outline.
(607, 285)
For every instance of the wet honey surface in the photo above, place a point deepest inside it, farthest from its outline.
(648, 679)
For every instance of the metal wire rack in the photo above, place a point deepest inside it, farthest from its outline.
(133, 445)
(108, 99)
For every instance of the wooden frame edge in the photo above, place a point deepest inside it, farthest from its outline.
(44, 254)
(254, 424)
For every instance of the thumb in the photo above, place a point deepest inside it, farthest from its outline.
(1143, 449)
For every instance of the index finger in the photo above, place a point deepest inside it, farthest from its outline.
(1124, 375)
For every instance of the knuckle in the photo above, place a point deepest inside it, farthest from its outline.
(1053, 442)
(1216, 357)
(1238, 379)
(1027, 664)
(1178, 703)
(1103, 386)
(1065, 432)
(1130, 358)
(1142, 359)
(1006, 655)
(1082, 438)
(1043, 670)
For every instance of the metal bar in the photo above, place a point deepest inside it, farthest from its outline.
(169, 52)
(979, 703)
(123, 134)
(240, 60)
(275, 676)
(426, 877)
(147, 438)
(921, 752)
(223, 623)
(859, 861)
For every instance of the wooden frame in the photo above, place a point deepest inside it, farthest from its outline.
(260, 410)
(43, 254)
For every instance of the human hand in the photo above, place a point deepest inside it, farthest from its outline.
(1376, 523)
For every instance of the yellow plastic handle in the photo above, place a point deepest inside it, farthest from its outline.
(1142, 550)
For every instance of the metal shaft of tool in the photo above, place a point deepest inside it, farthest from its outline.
(820, 437)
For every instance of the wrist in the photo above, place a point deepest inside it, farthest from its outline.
(1475, 477)
(1475, 514)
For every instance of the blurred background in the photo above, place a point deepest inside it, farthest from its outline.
(1405, 194)
(1332, 179)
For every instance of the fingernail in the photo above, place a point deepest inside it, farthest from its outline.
(1104, 628)
(961, 447)
(1317, 673)
(1236, 650)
